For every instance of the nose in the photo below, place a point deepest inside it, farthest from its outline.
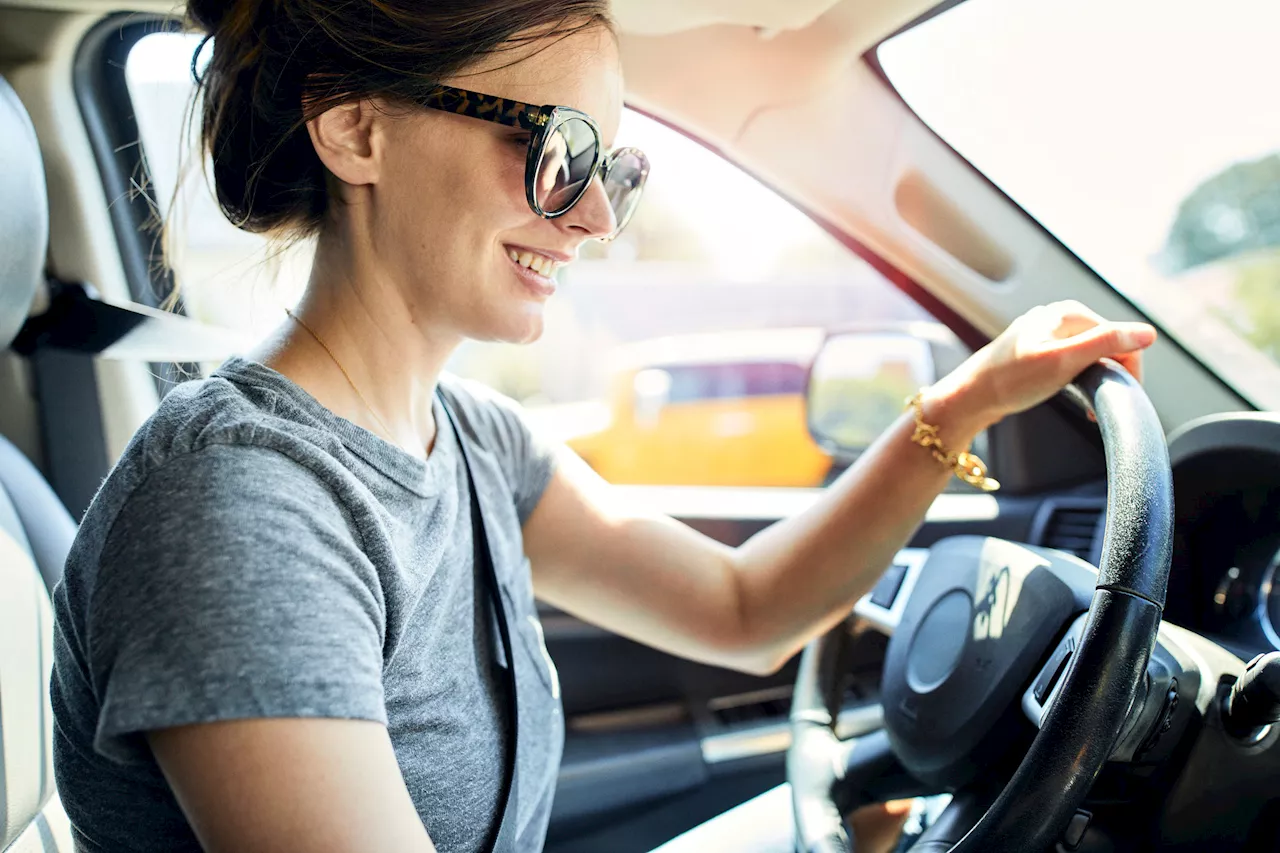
(592, 217)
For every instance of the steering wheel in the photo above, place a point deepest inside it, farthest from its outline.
(977, 625)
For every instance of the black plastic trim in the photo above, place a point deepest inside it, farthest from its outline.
(1040, 524)
(77, 319)
(1254, 431)
(102, 93)
(71, 429)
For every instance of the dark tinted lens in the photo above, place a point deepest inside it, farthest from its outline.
(624, 184)
(568, 157)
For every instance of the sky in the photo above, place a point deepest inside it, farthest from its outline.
(1099, 117)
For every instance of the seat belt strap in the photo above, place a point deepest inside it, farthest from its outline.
(502, 835)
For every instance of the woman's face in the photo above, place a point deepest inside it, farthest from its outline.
(448, 211)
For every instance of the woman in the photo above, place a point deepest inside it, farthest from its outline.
(276, 630)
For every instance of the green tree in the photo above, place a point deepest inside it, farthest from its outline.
(1234, 218)
(1257, 302)
(1235, 212)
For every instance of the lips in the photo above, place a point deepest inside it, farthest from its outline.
(536, 267)
(542, 264)
(539, 285)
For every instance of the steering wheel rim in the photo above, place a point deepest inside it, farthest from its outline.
(1078, 733)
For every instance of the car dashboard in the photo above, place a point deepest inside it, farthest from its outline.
(1223, 582)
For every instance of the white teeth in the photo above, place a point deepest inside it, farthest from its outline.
(538, 263)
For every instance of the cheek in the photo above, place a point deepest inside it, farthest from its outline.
(453, 196)
(502, 179)
(478, 186)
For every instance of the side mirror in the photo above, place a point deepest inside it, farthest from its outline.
(651, 391)
(860, 380)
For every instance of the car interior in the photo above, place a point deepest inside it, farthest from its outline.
(1102, 684)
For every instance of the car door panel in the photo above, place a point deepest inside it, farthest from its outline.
(654, 743)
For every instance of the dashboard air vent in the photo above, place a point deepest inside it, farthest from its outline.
(1073, 528)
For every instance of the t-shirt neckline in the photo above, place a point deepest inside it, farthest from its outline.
(423, 477)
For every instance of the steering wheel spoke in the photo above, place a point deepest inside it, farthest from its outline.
(872, 773)
(961, 815)
(882, 607)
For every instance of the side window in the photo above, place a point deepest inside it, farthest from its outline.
(676, 355)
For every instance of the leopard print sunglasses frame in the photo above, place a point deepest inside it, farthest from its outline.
(542, 122)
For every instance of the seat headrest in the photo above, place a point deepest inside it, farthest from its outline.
(24, 214)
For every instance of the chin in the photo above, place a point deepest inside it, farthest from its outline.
(533, 326)
(519, 324)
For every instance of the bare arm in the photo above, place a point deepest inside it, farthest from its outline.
(321, 785)
(751, 608)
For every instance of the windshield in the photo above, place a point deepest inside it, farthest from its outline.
(1144, 135)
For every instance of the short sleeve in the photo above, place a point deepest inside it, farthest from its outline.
(232, 586)
(528, 460)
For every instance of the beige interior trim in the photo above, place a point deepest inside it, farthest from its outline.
(19, 420)
(82, 242)
(942, 222)
(861, 142)
(26, 661)
(656, 17)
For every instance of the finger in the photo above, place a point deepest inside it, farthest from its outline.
(1121, 341)
(1074, 317)
(878, 827)
(1131, 362)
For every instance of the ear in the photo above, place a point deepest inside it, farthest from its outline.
(345, 138)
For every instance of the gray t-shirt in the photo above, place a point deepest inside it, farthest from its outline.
(254, 555)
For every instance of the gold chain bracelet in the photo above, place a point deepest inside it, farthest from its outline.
(964, 465)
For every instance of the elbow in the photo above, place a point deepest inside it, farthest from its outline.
(745, 661)
(763, 666)
(747, 646)
(754, 655)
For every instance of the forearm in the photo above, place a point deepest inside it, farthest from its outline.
(802, 575)
(652, 579)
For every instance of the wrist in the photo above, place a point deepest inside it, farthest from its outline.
(957, 405)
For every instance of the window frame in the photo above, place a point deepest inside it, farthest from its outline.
(106, 106)
(872, 59)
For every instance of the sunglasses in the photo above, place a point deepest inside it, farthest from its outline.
(565, 153)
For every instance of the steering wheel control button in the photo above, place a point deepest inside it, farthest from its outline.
(1053, 669)
(1076, 827)
(981, 617)
(886, 589)
(939, 641)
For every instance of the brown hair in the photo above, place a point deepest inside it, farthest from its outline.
(278, 63)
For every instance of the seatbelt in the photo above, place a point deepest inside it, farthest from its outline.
(502, 835)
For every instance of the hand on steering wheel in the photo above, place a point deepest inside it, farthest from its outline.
(1043, 350)
(947, 687)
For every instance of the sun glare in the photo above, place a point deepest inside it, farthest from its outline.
(744, 226)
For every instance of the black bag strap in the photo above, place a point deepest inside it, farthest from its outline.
(502, 835)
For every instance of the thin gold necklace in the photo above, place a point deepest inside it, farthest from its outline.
(312, 332)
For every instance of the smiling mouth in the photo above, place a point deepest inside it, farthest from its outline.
(539, 263)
